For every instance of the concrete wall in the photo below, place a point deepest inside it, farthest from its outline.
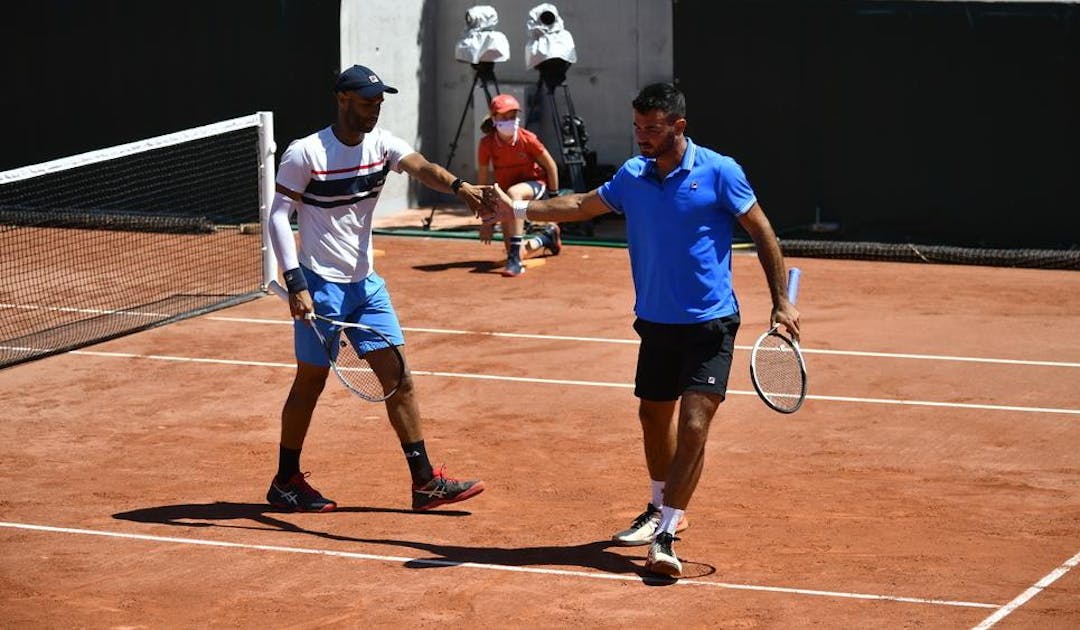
(385, 36)
(622, 45)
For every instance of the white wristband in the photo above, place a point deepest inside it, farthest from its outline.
(520, 207)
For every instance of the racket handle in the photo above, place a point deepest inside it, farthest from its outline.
(793, 276)
(278, 290)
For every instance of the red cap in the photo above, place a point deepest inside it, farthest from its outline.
(504, 103)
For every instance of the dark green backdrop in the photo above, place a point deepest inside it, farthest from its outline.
(86, 74)
(931, 122)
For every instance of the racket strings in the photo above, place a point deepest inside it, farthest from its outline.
(355, 369)
(778, 372)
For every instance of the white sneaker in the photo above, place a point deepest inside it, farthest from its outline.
(662, 558)
(643, 529)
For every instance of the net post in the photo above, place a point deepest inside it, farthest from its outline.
(267, 149)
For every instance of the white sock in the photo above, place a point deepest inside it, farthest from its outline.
(534, 243)
(669, 519)
(657, 493)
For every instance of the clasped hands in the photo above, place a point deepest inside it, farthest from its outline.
(492, 206)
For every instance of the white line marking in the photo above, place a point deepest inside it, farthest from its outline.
(942, 357)
(634, 342)
(553, 381)
(87, 311)
(443, 331)
(160, 357)
(1023, 598)
(489, 567)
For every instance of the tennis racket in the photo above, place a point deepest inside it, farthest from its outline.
(776, 363)
(364, 360)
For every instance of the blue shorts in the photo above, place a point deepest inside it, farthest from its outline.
(538, 188)
(366, 302)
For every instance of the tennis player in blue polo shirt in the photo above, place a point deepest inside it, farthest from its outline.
(680, 201)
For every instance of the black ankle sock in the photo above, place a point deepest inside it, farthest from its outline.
(288, 463)
(419, 466)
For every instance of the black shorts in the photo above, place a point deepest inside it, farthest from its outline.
(674, 358)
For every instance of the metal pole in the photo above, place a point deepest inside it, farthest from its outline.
(267, 150)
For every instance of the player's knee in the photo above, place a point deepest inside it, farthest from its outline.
(309, 383)
(696, 429)
(406, 387)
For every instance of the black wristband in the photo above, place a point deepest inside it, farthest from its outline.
(456, 185)
(295, 281)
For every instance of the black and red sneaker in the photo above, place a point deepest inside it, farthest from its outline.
(298, 496)
(442, 490)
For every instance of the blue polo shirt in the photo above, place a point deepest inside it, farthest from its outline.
(679, 232)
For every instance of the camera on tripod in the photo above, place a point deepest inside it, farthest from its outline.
(482, 47)
(551, 52)
(481, 43)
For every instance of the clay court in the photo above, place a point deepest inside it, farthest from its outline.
(931, 480)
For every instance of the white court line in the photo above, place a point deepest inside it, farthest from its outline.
(553, 381)
(443, 331)
(1023, 598)
(88, 311)
(853, 353)
(492, 567)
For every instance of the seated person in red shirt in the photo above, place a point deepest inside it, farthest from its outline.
(525, 170)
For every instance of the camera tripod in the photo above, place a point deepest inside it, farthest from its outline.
(568, 128)
(485, 74)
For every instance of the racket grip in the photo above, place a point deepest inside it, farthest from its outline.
(793, 276)
(278, 290)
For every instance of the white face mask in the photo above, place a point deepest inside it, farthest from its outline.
(507, 128)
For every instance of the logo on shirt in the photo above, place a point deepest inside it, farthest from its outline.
(693, 185)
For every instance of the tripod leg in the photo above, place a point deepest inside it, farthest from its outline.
(570, 147)
(487, 90)
(577, 175)
(553, 106)
(454, 143)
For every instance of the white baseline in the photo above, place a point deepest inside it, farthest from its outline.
(491, 567)
(634, 342)
(554, 381)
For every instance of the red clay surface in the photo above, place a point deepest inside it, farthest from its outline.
(852, 505)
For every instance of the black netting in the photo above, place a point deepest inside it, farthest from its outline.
(907, 252)
(105, 249)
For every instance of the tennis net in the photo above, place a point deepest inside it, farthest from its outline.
(942, 254)
(110, 242)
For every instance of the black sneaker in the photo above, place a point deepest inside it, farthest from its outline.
(442, 490)
(662, 559)
(514, 266)
(552, 236)
(298, 496)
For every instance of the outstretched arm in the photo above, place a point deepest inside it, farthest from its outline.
(757, 225)
(576, 207)
(438, 178)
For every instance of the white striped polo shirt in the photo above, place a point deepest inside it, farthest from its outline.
(339, 186)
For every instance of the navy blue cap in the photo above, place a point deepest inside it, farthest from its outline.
(362, 81)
